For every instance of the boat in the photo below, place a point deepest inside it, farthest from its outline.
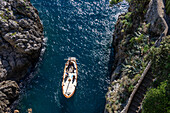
(69, 82)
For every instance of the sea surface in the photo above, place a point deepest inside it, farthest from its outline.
(81, 29)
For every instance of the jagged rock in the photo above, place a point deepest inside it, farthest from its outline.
(3, 72)
(4, 25)
(9, 90)
(13, 24)
(21, 39)
(5, 63)
(24, 23)
(20, 34)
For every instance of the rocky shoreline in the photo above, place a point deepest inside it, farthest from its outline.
(135, 33)
(21, 41)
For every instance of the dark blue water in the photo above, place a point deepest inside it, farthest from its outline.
(79, 28)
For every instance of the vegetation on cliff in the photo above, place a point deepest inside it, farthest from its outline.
(160, 95)
(112, 2)
(167, 7)
(134, 40)
(157, 99)
(135, 46)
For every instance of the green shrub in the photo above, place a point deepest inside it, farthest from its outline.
(146, 48)
(122, 30)
(112, 2)
(137, 77)
(127, 16)
(130, 88)
(157, 99)
(148, 25)
(129, 1)
(124, 21)
(139, 38)
(161, 59)
(132, 40)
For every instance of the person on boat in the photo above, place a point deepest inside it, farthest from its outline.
(70, 68)
(71, 64)
(66, 76)
(73, 76)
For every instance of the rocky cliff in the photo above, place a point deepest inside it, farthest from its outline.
(135, 33)
(21, 39)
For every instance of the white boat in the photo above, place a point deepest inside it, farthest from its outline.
(69, 82)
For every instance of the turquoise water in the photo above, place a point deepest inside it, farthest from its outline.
(79, 28)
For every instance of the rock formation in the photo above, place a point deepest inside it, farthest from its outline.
(21, 39)
(9, 90)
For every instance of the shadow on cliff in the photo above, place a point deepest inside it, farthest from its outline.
(111, 61)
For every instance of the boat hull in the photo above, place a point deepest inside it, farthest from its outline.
(69, 82)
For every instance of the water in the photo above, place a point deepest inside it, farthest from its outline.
(79, 28)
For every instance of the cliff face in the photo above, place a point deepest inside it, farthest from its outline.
(135, 33)
(21, 39)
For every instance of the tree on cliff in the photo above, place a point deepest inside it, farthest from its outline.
(157, 99)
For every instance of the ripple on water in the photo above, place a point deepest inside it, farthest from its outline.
(80, 28)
